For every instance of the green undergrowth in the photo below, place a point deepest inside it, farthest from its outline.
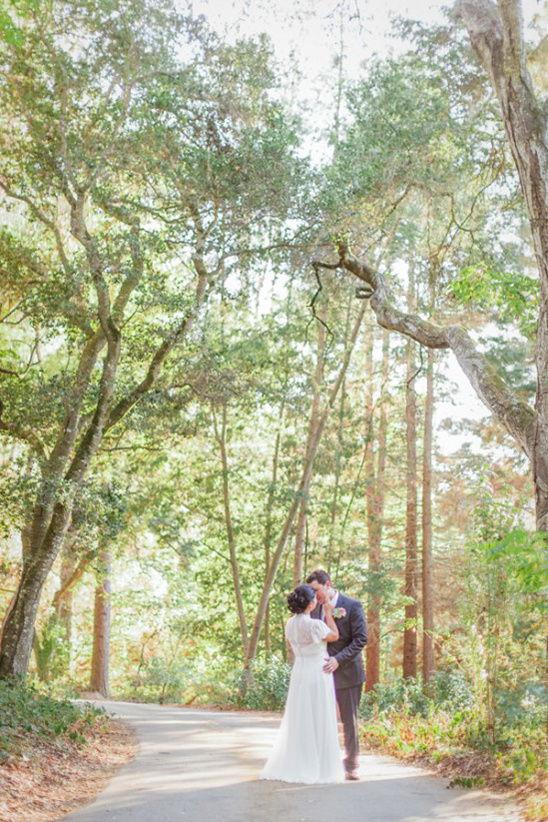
(30, 717)
(453, 739)
(216, 682)
(267, 689)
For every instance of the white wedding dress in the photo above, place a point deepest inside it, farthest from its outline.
(307, 747)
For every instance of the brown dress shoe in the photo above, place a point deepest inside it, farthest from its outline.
(352, 776)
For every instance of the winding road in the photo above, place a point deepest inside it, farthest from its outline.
(203, 766)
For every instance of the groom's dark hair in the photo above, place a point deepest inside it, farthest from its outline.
(319, 576)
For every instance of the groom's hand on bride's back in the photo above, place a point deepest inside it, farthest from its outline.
(331, 665)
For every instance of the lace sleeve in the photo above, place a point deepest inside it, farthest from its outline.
(319, 630)
(305, 631)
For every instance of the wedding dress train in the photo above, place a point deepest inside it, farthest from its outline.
(307, 746)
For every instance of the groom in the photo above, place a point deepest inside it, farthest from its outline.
(344, 661)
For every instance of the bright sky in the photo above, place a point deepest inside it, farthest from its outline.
(310, 30)
(309, 35)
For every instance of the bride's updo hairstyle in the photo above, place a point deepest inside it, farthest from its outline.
(299, 599)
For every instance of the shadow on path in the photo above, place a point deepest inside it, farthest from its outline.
(203, 766)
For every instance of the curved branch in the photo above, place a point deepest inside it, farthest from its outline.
(75, 577)
(40, 215)
(22, 433)
(517, 416)
(154, 370)
(94, 434)
(22, 373)
(496, 34)
(388, 316)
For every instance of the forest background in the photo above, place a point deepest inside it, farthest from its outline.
(220, 369)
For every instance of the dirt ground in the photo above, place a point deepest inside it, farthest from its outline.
(49, 783)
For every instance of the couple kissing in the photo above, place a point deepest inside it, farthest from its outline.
(326, 634)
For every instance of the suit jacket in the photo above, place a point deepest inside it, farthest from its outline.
(347, 650)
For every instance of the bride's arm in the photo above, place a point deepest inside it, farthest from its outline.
(333, 634)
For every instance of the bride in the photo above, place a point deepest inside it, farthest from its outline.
(307, 747)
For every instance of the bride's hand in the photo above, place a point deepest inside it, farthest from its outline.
(327, 608)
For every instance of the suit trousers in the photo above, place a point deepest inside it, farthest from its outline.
(348, 700)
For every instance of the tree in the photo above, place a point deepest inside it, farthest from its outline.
(375, 493)
(99, 680)
(496, 34)
(116, 190)
(428, 658)
(411, 570)
(304, 483)
(221, 436)
(300, 528)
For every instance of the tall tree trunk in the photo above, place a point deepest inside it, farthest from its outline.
(26, 534)
(63, 604)
(338, 455)
(300, 532)
(269, 515)
(337, 470)
(51, 516)
(300, 529)
(372, 650)
(18, 628)
(410, 630)
(268, 538)
(428, 660)
(496, 33)
(99, 680)
(375, 515)
(305, 478)
(76, 445)
(236, 581)
(268, 528)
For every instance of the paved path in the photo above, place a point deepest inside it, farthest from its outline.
(203, 766)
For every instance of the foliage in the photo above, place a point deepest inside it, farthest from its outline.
(183, 679)
(268, 688)
(513, 295)
(193, 171)
(448, 690)
(448, 730)
(27, 713)
(12, 12)
(507, 584)
(51, 650)
(519, 755)
(215, 681)
(18, 485)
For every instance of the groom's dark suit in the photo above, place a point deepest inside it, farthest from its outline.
(350, 675)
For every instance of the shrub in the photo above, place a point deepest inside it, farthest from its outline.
(25, 713)
(404, 695)
(268, 689)
(451, 689)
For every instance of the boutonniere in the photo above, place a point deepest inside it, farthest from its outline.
(339, 613)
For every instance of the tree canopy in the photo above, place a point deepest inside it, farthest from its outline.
(228, 356)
